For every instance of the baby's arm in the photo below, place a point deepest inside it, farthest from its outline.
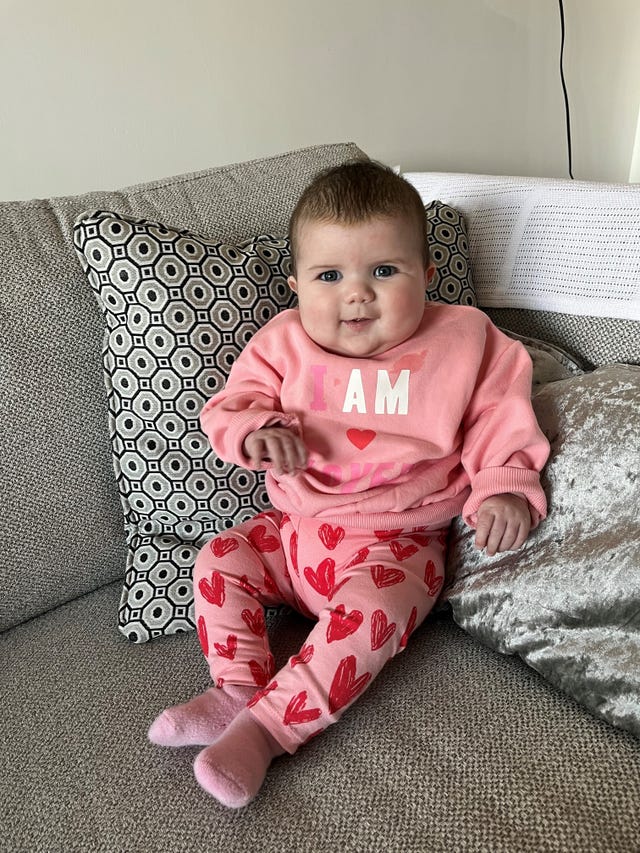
(242, 420)
(504, 449)
(278, 445)
(504, 522)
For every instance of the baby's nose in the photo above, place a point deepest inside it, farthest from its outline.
(359, 290)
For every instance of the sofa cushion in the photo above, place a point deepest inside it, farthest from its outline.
(62, 520)
(451, 741)
(568, 602)
(179, 308)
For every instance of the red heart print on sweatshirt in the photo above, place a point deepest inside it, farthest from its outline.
(228, 651)
(330, 536)
(433, 582)
(255, 621)
(304, 656)
(383, 576)
(261, 541)
(381, 629)
(345, 686)
(213, 589)
(361, 438)
(202, 635)
(343, 624)
(296, 713)
(221, 546)
(262, 674)
(402, 552)
(411, 624)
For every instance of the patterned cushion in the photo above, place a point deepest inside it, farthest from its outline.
(179, 308)
(447, 235)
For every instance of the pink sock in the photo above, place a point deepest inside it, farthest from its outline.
(202, 720)
(233, 769)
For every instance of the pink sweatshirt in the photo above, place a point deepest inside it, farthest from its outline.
(415, 435)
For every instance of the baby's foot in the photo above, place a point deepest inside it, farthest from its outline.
(233, 769)
(202, 720)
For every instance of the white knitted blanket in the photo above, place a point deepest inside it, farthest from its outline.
(555, 245)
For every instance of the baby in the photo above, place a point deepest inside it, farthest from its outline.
(378, 418)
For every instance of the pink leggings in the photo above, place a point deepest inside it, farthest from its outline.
(367, 589)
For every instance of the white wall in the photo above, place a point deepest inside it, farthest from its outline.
(100, 95)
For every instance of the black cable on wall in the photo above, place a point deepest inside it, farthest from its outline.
(564, 89)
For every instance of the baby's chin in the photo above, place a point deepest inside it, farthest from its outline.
(353, 349)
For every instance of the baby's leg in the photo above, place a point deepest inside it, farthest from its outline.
(367, 618)
(235, 574)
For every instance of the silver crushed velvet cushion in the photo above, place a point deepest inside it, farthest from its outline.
(568, 603)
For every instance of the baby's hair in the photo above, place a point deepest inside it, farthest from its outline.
(355, 192)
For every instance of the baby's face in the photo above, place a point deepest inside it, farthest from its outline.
(361, 288)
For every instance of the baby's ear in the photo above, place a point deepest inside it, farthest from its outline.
(429, 273)
(293, 284)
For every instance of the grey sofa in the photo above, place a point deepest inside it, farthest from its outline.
(454, 748)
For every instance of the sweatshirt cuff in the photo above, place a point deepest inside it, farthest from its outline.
(244, 423)
(499, 481)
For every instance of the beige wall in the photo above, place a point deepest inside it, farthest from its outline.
(100, 95)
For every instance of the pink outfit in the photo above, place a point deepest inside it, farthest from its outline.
(368, 591)
(415, 435)
(399, 444)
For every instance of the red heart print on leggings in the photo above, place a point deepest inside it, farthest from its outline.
(383, 576)
(411, 624)
(433, 582)
(228, 651)
(293, 552)
(221, 546)
(330, 536)
(381, 629)
(343, 624)
(261, 694)
(402, 552)
(202, 635)
(262, 674)
(261, 541)
(296, 713)
(254, 620)
(323, 578)
(304, 656)
(360, 557)
(212, 589)
(345, 686)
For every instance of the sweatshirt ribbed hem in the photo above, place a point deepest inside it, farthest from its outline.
(435, 515)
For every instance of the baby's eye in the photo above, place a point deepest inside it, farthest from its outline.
(384, 271)
(329, 276)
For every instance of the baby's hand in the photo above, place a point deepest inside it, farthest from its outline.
(503, 523)
(278, 445)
